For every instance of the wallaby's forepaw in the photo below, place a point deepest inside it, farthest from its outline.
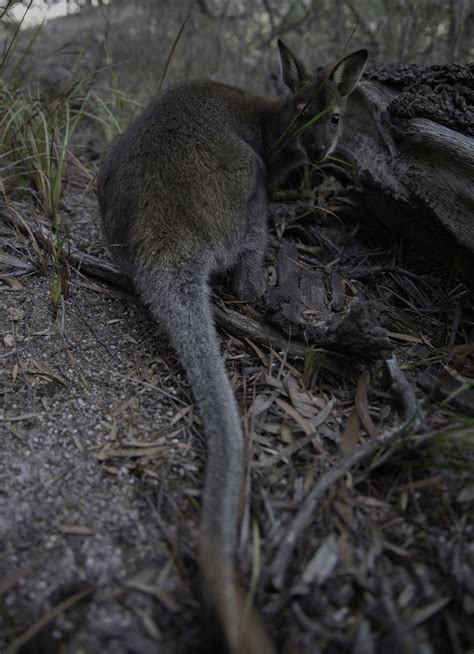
(249, 288)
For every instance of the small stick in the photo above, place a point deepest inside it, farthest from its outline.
(40, 624)
(402, 386)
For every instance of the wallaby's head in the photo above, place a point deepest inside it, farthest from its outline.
(318, 101)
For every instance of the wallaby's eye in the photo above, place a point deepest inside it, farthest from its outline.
(303, 113)
(305, 116)
(335, 119)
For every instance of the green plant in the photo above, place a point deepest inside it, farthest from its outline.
(313, 358)
(35, 141)
(111, 109)
(453, 445)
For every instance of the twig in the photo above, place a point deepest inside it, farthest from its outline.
(402, 386)
(173, 47)
(37, 626)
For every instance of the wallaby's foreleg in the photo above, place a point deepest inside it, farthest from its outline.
(249, 276)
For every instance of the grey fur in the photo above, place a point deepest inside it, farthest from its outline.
(183, 195)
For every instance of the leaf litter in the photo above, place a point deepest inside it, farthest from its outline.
(360, 465)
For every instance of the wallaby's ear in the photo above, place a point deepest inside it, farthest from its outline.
(293, 70)
(347, 73)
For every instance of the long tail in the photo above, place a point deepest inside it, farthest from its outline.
(181, 303)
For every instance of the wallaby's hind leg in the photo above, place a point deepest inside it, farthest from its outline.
(249, 275)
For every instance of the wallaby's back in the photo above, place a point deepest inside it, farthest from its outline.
(179, 180)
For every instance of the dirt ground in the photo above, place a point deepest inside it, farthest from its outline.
(69, 516)
(102, 462)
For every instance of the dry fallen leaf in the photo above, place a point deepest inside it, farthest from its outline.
(155, 591)
(323, 562)
(37, 370)
(362, 404)
(466, 494)
(13, 262)
(303, 402)
(421, 615)
(323, 415)
(345, 549)
(262, 402)
(350, 436)
(297, 417)
(285, 434)
(129, 452)
(13, 283)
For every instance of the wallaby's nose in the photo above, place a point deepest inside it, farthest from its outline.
(317, 152)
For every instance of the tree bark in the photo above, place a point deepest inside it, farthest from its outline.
(409, 131)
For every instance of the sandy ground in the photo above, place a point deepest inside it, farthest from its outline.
(68, 516)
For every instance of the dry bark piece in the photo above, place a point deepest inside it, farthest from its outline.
(442, 93)
(356, 332)
(409, 131)
(301, 304)
(350, 435)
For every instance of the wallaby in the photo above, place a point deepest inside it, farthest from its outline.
(183, 194)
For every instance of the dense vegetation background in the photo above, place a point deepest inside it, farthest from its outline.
(231, 39)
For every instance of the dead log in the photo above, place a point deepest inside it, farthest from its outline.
(410, 133)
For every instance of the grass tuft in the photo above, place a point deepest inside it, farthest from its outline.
(36, 140)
